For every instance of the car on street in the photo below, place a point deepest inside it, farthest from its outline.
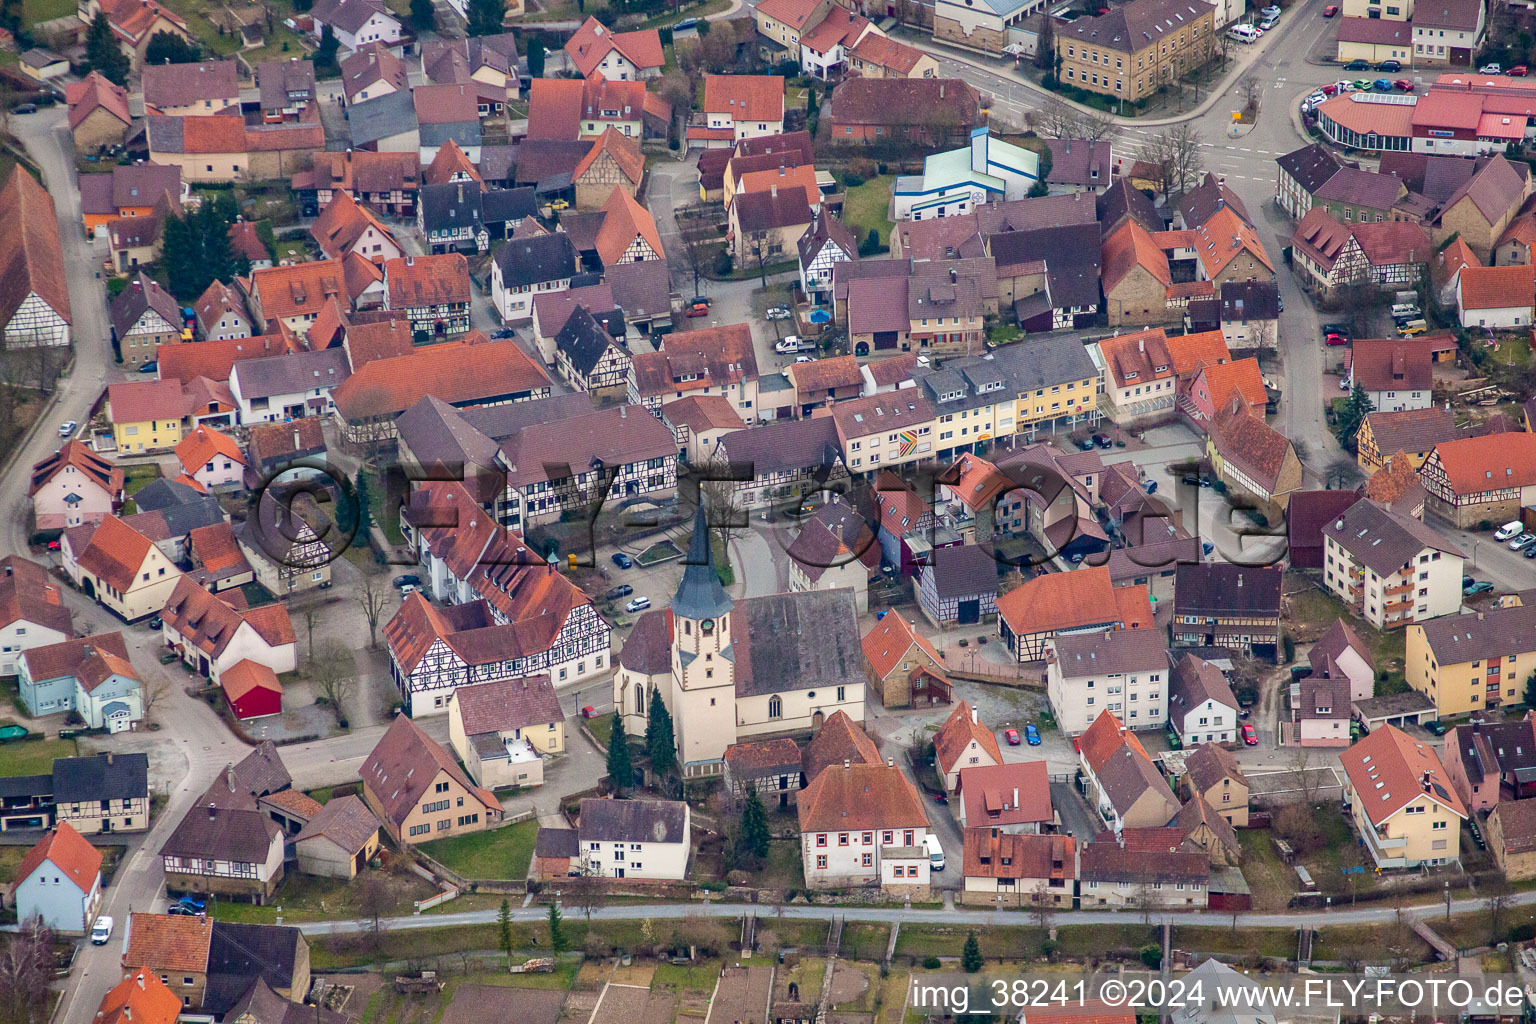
(1271, 9)
(698, 309)
(1530, 552)
(1383, 85)
(1358, 65)
(409, 579)
(778, 313)
(1518, 71)
(638, 604)
(1336, 328)
(1269, 22)
(1330, 10)
(1523, 541)
(101, 931)
(503, 333)
(704, 299)
(1031, 734)
(1389, 65)
(1491, 69)
(1250, 735)
(1012, 736)
(1480, 587)
(622, 560)
(1510, 529)
(1331, 89)
(685, 25)
(622, 590)
(24, 108)
(68, 428)
(1467, 581)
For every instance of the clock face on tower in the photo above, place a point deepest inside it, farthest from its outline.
(707, 626)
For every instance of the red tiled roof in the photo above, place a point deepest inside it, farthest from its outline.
(140, 401)
(839, 740)
(554, 108)
(139, 999)
(404, 764)
(343, 223)
(96, 91)
(427, 280)
(886, 52)
(66, 850)
(890, 639)
(202, 444)
(1487, 463)
(1006, 794)
(955, 735)
(1066, 600)
(114, 553)
(449, 161)
(1388, 770)
(860, 796)
(1242, 376)
(296, 290)
(215, 359)
(745, 97)
(794, 13)
(1128, 247)
(1497, 287)
(594, 41)
(92, 466)
(244, 676)
(624, 152)
(459, 373)
(623, 220)
(163, 942)
(31, 258)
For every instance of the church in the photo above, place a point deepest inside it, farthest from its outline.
(739, 670)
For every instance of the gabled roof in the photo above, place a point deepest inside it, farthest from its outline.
(1310, 166)
(1246, 440)
(594, 41)
(633, 821)
(178, 85)
(1069, 600)
(427, 280)
(888, 641)
(794, 13)
(96, 92)
(113, 553)
(1224, 236)
(140, 998)
(507, 705)
(203, 444)
(208, 622)
(31, 258)
(1209, 763)
(28, 594)
(1018, 793)
(955, 735)
(1388, 770)
(1497, 287)
(345, 821)
(371, 63)
(1495, 190)
(215, 359)
(929, 102)
(1129, 247)
(1477, 636)
(624, 152)
(1490, 462)
(744, 97)
(404, 764)
(349, 15)
(624, 220)
(885, 52)
(1216, 589)
(1136, 25)
(860, 796)
(166, 942)
(1196, 681)
(716, 356)
(342, 224)
(840, 739)
(69, 854)
(460, 373)
(74, 453)
(990, 853)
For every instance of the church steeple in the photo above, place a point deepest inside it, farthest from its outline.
(700, 595)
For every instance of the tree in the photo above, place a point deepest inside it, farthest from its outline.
(812, 108)
(485, 17)
(754, 838)
(535, 57)
(559, 942)
(970, 957)
(1045, 45)
(26, 969)
(660, 744)
(586, 893)
(362, 512)
(1530, 691)
(102, 52)
(1038, 189)
(1351, 417)
(196, 249)
(1497, 900)
(621, 772)
(325, 54)
(309, 614)
(504, 928)
(152, 693)
(1175, 155)
(374, 902)
(335, 673)
(421, 14)
(1250, 88)
(757, 248)
(372, 598)
(169, 48)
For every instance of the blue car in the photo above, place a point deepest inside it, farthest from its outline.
(1031, 734)
(192, 903)
(622, 560)
(1383, 85)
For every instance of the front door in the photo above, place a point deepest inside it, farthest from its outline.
(970, 612)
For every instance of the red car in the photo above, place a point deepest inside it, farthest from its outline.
(698, 309)
(1403, 85)
(1518, 71)
(1329, 90)
(1330, 10)
(1250, 737)
(1012, 736)
(1337, 339)
(589, 712)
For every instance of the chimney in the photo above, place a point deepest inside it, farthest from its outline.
(847, 763)
(229, 776)
(1015, 797)
(974, 716)
(212, 811)
(773, 191)
(890, 762)
(941, 89)
(109, 758)
(1141, 344)
(141, 983)
(952, 278)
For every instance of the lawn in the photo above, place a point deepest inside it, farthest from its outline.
(866, 940)
(1270, 878)
(1312, 612)
(35, 12)
(602, 729)
(868, 206)
(10, 859)
(1513, 351)
(137, 477)
(308, 898)
(32, 757)
(502, 853)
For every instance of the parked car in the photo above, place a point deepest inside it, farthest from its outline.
(1084, 443)
(698, 309)
(192, 903)
(1335, 338)
(68, 428)
(1530, 552)
(24, 108)
(155, 622)
(1510, 529)
(1480, 587)
(1345, 86)
(622, 590)
(101, 931)
(1358, 65)
(1330, 10)
(639, 604)
(1383, 85)
(1467, 581)
(685, 25)
(1518, 71)
(778, 313)
(1269, 22)
(1435, 728)
(1250, 735)
(153, 366)
(1012, 737)
(559, 204)
(409, 579)
(406, 591)
(803, 359)
(589, 712)
(1389, 65)
(1103, 441)
(622, 560)
(1491, 69)
(1031, 734)
(1521, 541)
(1331, 89)
(501, 334)
(789, 345)
(703, 300)
(1403, 85)
(1336, 328)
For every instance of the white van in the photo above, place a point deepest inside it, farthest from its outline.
(935, 852)
(1509, 530)
(1244, 33)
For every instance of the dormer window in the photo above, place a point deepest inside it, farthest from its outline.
(1132, 374)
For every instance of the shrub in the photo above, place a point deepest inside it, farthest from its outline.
(932, 963)
(853, 181)
(1152, 955)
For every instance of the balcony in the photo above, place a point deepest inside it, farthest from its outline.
(1406, 587)
(1389, 606)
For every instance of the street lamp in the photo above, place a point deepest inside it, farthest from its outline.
(1447, 899)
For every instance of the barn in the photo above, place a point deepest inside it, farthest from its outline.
(252, 690)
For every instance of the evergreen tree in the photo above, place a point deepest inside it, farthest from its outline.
(1038, 189)
(970, 957)
(535, 58)
(557, 937)
(361, 504)
(754, 837)
(504, 927)
(620, 771)
(812, 108)
(421, 14)
(660, 745)
(1530, 691)
(168, 48)
(1356, 409)
(196, 248)
(325, 55)
(103, 53)
(485, 17)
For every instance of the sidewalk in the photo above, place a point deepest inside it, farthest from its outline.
(1005, 69)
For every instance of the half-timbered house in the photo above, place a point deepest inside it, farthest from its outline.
(613, 162)
(1480, 478)
(589, 359)
(285, 552)
(828, 243)
(34, 305)
(784, 459)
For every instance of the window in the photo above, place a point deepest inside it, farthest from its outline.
(821, 861)
(842, 839)
(821, 839)
(775, 707)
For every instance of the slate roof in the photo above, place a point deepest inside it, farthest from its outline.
(931, 102)
(1209, 763)
(239, 954)
(537, 260)
(963, 570)
(101, 777)
(1382, 540)
(222, 833)
(632, 821)
(290, 374)
(1220, 589)
(1116, 652)
(1495, 189)
(1493, 633)
(1194, 682)
(1310, 166)
(382, 117)
(785, 445)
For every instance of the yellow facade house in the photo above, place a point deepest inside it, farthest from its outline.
(1401, 801)
(146, 415)
(120, 567)
(1132, 51)
(419, 791)
(1479, 660)
(503, 730)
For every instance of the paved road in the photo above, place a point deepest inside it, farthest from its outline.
(1333, 917)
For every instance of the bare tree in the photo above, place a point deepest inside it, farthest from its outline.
(757, 247)
(152, 693)
(1497, 899)
(1045, 44)
(374, 902)
(334, 670)
(26, 968)
(1041, 910)
(1299, 762)
(585, 893)
(1250, 89)
(309, 614)
(724, 509)
(1175, 157)
(371, 597)
(1058, 120)
(694, 254)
